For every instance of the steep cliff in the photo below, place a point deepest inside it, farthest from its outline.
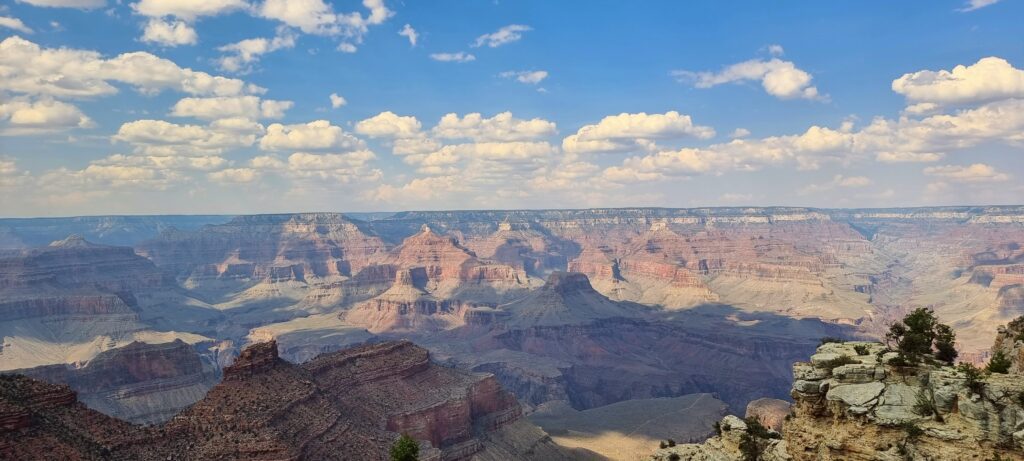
(347, 405)
(140, 383)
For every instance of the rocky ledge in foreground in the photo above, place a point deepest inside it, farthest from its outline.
(852, 402)
(352, 404)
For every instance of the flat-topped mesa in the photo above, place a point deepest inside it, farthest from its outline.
(73, 241)
(566, 299)
(367, 364)
(569, 283)
(255, 359)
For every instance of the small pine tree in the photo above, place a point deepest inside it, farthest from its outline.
(999, 363)
(405, 449)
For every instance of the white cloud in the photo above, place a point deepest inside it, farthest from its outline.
(169, 33)
(78, 4)
(776, 50)
(346, 47)
(908, 157)
(739, 133)
(15, 24)
(336, 168)
(623, 132)
(977, 4)
(530, 77)
(235, 175)
(453, 57)
(337, 101)
(23, 116)
(161, 138)
(501, 127)
(30, 69)
(988, 79)
(975, 173)
(415, 145)
(318, 18)
(230, 106)
(242, 55)
(389, 125)
(187, 10)
(409, 33)
(315, 135)
(503, 36)
(779, 78)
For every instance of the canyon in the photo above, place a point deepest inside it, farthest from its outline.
(574, 310)
(350, 404)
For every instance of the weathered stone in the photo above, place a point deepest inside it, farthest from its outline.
(855, 395)
(854, 373)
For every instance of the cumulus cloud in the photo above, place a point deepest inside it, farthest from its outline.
(77, 4)
(975, 173)
(15, 24)
(501, 127)
(739, 133)
(337, 101)
(187, 10)
(23, 116)
(30, 69)
(347, 48)
(169, 33)
(331, 167)
(319, 18)
(988, 79)
(315, 135)
(159, 137)
(389, 125)
(902, 140)
(530, 77)
(241, 56)
(409, 33)
(235, 175)
(779, 78)
(908, 157)
(505, 35)
(624, 132)
(453, 57)
(230, 106)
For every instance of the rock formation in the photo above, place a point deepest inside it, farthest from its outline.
(347, 405)
(68, 301)
(770, 412)
(140, 383)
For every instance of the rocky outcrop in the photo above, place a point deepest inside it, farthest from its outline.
(854, 405)
(407, 307)
(140, 383)
(770, 412)
(1010, 342)
(729, 445)
(346, 405)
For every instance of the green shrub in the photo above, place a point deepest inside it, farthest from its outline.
(839, 361)
(671, 442)
(718, 428)
(912, 430)
(999, 363)
(831, 339)
(862, 349)
(923, 405)
(750, 448)
(674, 457)
(756, 429)
(405, 449)
(974, 377)
(662, 445)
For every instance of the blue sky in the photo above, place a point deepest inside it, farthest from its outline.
(224, 106)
